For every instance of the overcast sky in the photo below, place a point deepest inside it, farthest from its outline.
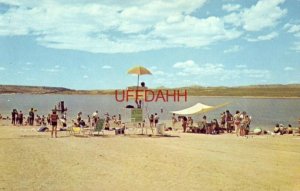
(89, 44)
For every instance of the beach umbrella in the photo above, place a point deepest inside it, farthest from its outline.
(139, 70)
(198, 108)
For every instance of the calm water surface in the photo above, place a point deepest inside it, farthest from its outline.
(264, 112)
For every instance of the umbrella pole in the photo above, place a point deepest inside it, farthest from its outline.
(138, 81)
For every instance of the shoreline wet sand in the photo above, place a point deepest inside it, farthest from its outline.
(33, 161)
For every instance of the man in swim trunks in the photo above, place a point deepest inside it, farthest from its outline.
(54, 120)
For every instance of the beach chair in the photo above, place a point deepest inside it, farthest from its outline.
(160, 128)
(99, 127)
(75, 130)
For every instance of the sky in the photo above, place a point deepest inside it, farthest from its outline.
(89, 44)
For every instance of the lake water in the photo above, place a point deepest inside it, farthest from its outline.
(265, 112)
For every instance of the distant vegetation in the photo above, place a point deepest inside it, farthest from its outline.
(242, 91)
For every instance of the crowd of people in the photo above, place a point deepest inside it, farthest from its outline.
(239, 122)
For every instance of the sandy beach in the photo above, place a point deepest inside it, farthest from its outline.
(33, 161)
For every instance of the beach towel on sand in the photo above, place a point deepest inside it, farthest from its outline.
(43, 129)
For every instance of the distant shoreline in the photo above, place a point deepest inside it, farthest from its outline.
(260, 91)
(205, 96)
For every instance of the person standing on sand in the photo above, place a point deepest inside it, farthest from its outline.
(79, 117)
(49, 119)
(174, 121)
(95, 118)
(151, 120)
(20, 116)
(31, 116)
(229, 121)
(156, 118)
(237, 122)
(223, 120)
(184, 123)
(13, 117)
(54, 119)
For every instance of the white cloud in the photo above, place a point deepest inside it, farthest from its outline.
(111, 28)
(295, 30)
(114, 27)
(106, 67)
(234, 19)
(218, 71)
(186, 64)
(232, 49)
(85, 76)
(288, 68)
(181, 34)
(292, 28)
(269, 36)
(158, 72)
(231, 7)
(2, 68)
(265, 13)
(28, 63)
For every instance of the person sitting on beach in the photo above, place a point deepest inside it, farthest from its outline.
(215, 127)
(107, 126)
(43, 129)
(120, 130)
(289, 129)
(79, 117)
(75, 124)
(276, 128)
(282, 129)
(38, 120)
(63, 124)
(82, 123)
(190, 121)
(206, 125)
